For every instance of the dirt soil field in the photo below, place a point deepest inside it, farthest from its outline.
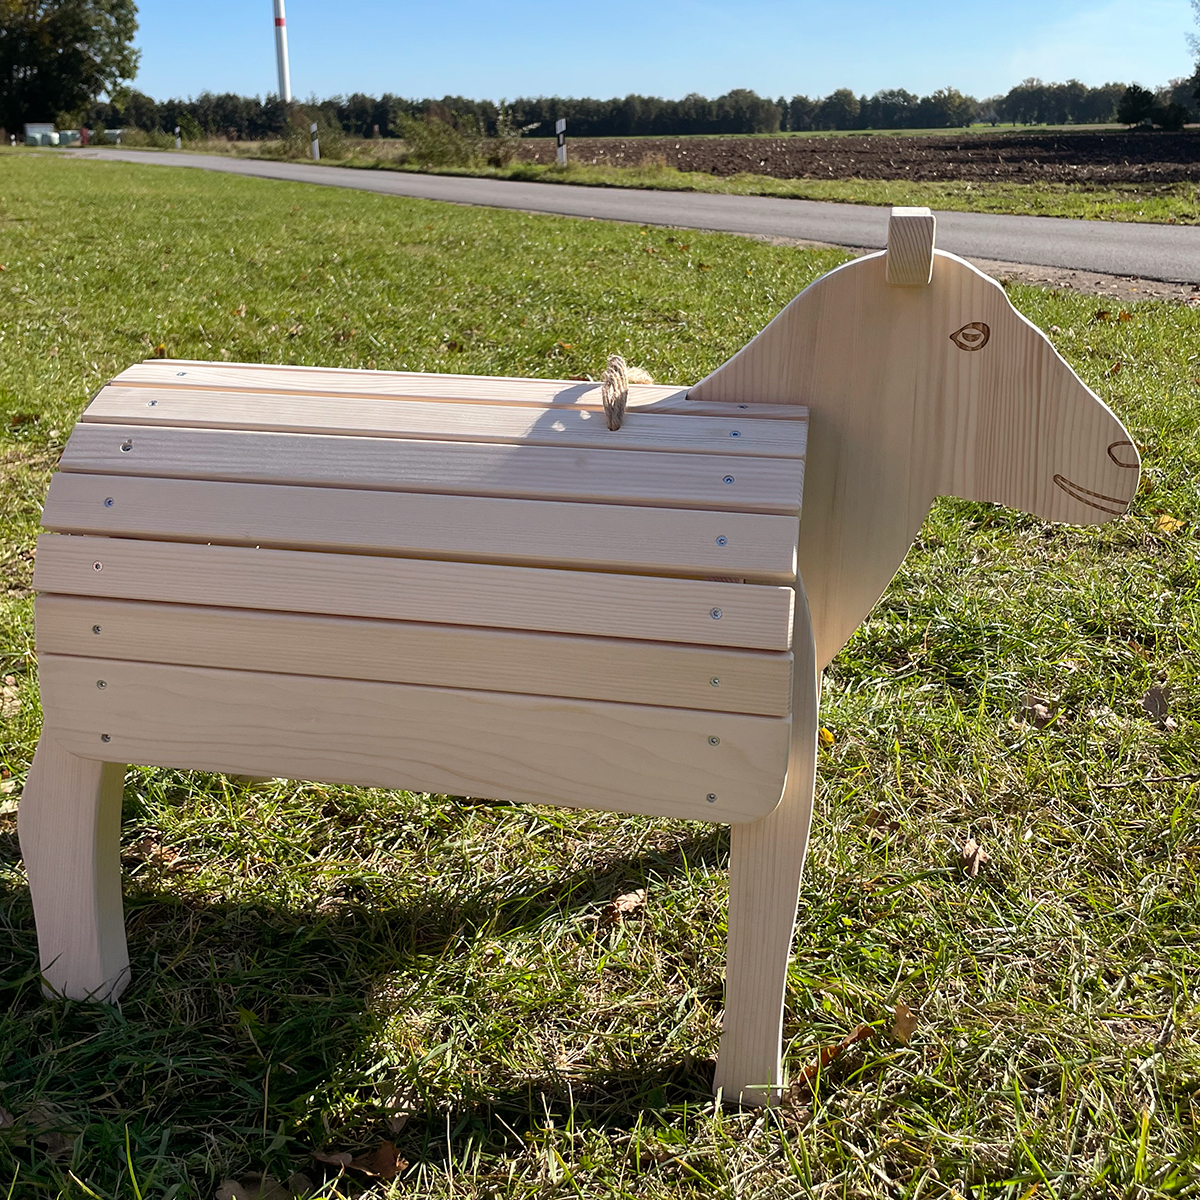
(1139, 157)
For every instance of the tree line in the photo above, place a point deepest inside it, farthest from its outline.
(741, 111)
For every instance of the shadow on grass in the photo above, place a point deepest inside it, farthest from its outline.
(246, 1023)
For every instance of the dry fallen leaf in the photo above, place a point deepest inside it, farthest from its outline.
(334, 1158)
(383, 1162)
(1115, 369)
(638, 375)
(265, 1187)
(904, 1023)
(879, 826)
(1124, 316)
(240, 311)
(1037, 711)
(1156, 706)
(623, 905)
(1101, 314)
(1165, 523)
(230, 1189)
(973, 857)
(160, 351)
(6, 1118)
(826, 737)
(830, 1053)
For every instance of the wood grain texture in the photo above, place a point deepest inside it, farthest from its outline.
(582, 602)
(493, 660)
(916, 392)
(439, 421)
(416, 385)
(710, 481)
(69, 824)
(529, 749)
(658, 541)
(765, 862)
(911, 233)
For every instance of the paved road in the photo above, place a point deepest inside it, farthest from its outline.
(1166, 252)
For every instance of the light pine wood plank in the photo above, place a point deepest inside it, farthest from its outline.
(918, 392)
(415, 385)
(708, 481)
(491, 660)
(529, 749)
(765, 861)
(69, 825)
(575, 602)
(911, 233)
(660, 541)
(439, 421)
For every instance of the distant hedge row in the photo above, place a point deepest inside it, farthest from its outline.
(739, 111)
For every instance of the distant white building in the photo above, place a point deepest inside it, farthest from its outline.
(39, 133)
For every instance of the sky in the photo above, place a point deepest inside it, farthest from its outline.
(657, 47)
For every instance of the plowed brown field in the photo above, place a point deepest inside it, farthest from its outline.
(1138, 157)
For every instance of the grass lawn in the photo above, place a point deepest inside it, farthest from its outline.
(324, 969)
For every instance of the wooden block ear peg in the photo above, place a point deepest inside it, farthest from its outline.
(910, 247)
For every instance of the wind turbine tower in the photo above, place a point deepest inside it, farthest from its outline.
(281, 54)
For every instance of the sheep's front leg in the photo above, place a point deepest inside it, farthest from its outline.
(69, 824)
(765, 861)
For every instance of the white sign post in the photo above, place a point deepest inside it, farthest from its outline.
(316, 145)
(560, 129)
(178, 139)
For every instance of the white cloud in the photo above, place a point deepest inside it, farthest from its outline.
(1141, 41)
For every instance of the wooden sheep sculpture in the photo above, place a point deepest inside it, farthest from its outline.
(472, 586)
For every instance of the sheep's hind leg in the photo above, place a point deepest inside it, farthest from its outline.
(69, 824)
(765, 862)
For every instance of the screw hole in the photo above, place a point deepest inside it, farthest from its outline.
(108, 502)
(151, 403)
(106, 737)
(727, 479)
(715, 681)
(126, 447)
(715, 613)
(711, 797)
(714, 740)
(722, 540)
(102, 684)
(95, 628)
(735, 433)
(97, 566)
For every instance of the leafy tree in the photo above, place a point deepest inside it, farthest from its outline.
(839, 110)
(1136, 106)
(60, 55)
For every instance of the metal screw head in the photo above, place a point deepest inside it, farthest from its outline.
(727, 479)
(97, 566)
(713, 740)
(711, 797)
(743, 406)
(714, 680)
(103, 683)
(180, 372)
(715, 613)
(95, 628)
(151, 403)
(735, 433)
(722, 540)
(126, 446)
(106, 737)
(108, 502)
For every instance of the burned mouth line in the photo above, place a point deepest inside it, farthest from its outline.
(1078, 492)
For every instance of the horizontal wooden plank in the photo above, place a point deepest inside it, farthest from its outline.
(655, 541)
(448, 468)
(412, 385)
(405, 589)
(534, 749)
(493, 660)
(436, 420)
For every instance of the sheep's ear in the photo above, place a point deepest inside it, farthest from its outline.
(910, 247)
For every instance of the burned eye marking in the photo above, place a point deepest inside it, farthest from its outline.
(1117, 446)
(972, 336)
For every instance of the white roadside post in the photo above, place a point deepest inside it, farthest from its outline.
(316, 145)
(560, 129)
(178, 139)
(281, 53)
